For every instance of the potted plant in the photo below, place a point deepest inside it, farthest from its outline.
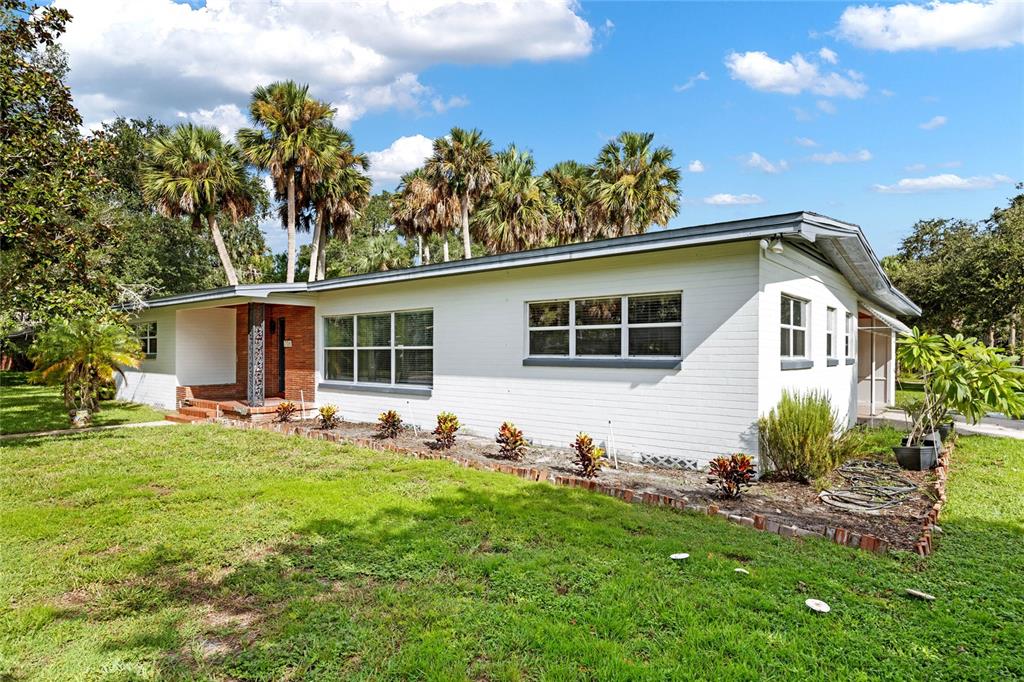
(919, 449)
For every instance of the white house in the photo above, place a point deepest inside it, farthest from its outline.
(677, 340)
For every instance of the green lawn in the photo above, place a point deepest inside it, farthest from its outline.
(24, 408)
(201, 552)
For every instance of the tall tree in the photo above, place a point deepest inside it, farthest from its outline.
(463, 165)
(516, 214)
(294, 135)
(634, 185)
(194, 172)
(567, 186)
(420, 209)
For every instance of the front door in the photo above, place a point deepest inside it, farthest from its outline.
(280, 356)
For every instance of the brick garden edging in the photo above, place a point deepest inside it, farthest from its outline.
(760, 522)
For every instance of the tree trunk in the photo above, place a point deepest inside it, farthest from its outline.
(444, 248)
(291, 225)
(426, 254)
(321, 258)
(1013, 336)
(314, 247)
(991, 335)
(222, 251)
(464, 207)
(419, 248)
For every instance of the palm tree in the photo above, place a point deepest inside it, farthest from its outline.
(341, 194)
(193, 171)
(464, 165)
(566, 184)
(381, 252)
(421, 209)
(294, 135)
(516, 214)
(83, 354)
(633, 186)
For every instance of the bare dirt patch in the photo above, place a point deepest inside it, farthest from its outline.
(789, 503)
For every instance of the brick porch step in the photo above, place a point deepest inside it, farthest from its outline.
(183, 418)
(201, 412)
(211, 405)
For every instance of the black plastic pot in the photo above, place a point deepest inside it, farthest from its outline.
(945, 430)
(916, 457)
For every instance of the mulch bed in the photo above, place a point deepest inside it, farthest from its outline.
(787, 502)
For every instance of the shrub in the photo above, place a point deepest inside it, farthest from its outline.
(444, 434)
(511, 443)
(799, 436)
(732, 473)
(589, 459)
(328, 417)
(389, 424)
(285, 411)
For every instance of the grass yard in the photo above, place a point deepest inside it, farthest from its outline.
(201, 552)
(25, 408)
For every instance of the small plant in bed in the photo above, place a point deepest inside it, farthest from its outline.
(328, 417)
(588, 458)
(444, 434)
(732, 474)
(389, 424)
(511, 443)
(802, 437)
(285, 411)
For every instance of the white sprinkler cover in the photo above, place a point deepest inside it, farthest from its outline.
(679, 556)
(742, 570)
(818, 605)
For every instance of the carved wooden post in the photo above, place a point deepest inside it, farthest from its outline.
(255, 388)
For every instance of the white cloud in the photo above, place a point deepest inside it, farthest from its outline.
(933, 123)
(919, 167)
(696, 166)
(958, 25)
(387, 166)
(733, 199)
(227, 118)
(915, 167)
(944, 182)
(440, 105)
(792, 77)
(886, 92)
(158, 57)
(757, 161)
(826, 106)
(828, 55)
(839, 157)
(691, 81)
(805, 142)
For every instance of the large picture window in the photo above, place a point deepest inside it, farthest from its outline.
(793, 328)
(380, 348)
(146, 331)
(646, 325)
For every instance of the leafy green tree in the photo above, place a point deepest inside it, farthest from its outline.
(567, 186)
(420, 210)
(342, 192)
(516, 214)
(194, 172)
(463, 166)
(82, 354)
(294, 135)
(633, 185)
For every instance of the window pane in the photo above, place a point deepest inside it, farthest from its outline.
(786, 306)
(374, 330)
(338, 331)
(415, 366)
(374, 365)
(599, 341)
(655, 341)
(599, 311)
(152, 347)
(549, 342)
(338, 365)
(784, 348)
(798, 343)
(414, 329)
(550, 314)
(798, 313)
(661, 308)
(828, 345)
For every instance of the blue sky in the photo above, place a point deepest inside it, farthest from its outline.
(936, 100)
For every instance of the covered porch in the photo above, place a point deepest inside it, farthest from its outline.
(876, 360)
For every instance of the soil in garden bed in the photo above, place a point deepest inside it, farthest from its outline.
(790, 503)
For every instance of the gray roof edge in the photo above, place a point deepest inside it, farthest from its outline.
(240, 290)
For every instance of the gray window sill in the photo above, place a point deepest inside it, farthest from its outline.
(796, 363)
(424, 391)
(833, 362)
(851, 361)
(617, 363)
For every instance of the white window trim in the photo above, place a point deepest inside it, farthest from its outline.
(806, 328)
(144, 339)
(624, 325)
(831, 333)
(355, 348)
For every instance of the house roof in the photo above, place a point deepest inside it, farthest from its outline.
(843, 244)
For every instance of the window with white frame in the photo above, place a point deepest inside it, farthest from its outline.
(643, 325)
(851, 335)
(380, 348)
(793, 328)
(146, 331)
(831, 348)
